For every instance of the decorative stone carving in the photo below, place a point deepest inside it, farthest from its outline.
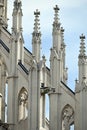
(68, 117)
(23, 97)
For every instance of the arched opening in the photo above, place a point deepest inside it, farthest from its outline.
(6, 98)
(68, 118)
(47, 106)
(23, 104)
(72, 127)
(0, 106)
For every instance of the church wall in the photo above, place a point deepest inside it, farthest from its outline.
(5, 58)
(77, 111)
(58, 101)
(23, 125)
(22, 79)
(27, 59)
(67, 97)
(67, 101)
(22, 82)
(48, 78)
(6, 38)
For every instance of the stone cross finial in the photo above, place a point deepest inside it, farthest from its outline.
(36, 24)
(37, 13)
(17, 4)
(82, 46)
(82, 37)
(56, 8)
(62, 38)
(56, 23)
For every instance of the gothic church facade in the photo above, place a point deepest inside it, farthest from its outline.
(25, 79)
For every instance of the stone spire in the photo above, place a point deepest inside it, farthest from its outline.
(56, 72)
(56, 31)
(17, 16)
(3, 13)
(17, 31)
(82, 60)
(56, 23)
(36, 24)
(82, 47)
(81, 88)
(36, 37)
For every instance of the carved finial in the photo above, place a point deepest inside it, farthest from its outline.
(44, 58)
(62, 30)
(17, 4)
(82, 37)
(76, 80)
(82, 46)
(56, 9)
(36, 24)
(62, 33)
(37, 13)
(62, 38)
(56, 23)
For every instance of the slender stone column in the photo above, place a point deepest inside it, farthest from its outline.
(35, 97)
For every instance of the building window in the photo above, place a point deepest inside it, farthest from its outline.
(23, 104)
(0, 106)
(6, 103)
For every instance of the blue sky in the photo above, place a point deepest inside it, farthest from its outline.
(73, 18)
